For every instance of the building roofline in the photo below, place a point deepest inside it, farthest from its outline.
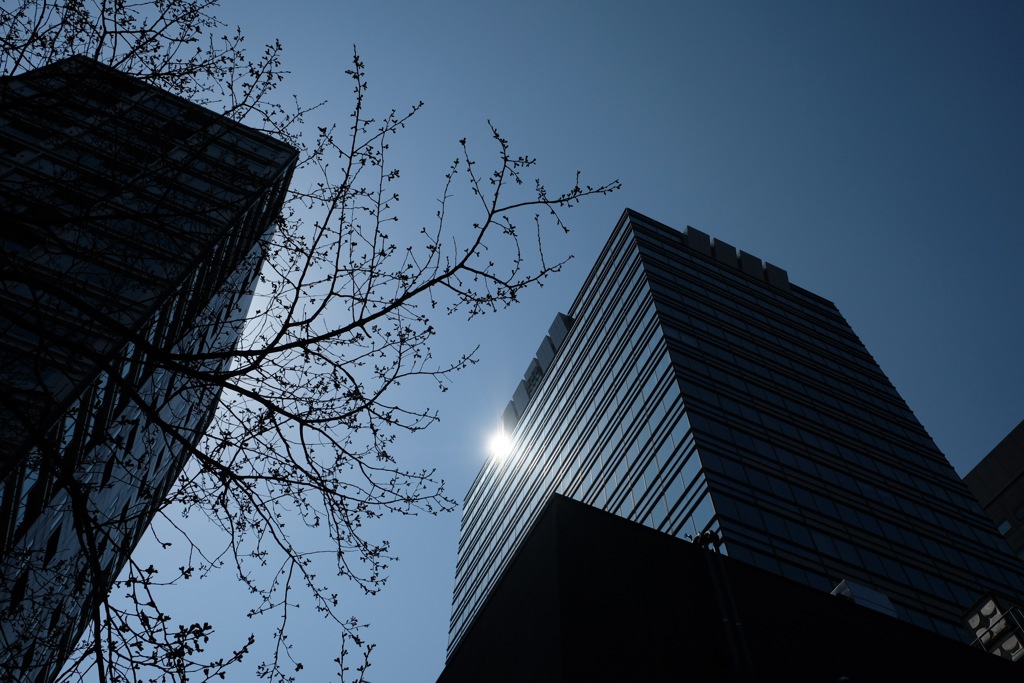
(85, 65)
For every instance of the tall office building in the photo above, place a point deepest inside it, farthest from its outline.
(133, 224)
(693, 388)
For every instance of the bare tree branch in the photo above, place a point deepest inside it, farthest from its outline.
(342, 315)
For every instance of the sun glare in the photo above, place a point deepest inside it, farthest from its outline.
(499, 445)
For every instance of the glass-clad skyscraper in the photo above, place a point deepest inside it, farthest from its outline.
(698, 389)
(134, 225)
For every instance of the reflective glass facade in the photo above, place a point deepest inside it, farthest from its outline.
(133, 223)
(699, 390)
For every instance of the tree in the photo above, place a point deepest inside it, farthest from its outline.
(343, 313)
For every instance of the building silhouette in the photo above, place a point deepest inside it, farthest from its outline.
(693, 389)
(589, 596)
(133, 230)
(997, 481)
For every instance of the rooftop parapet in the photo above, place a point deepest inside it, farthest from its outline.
(538, 367)
(727, 255)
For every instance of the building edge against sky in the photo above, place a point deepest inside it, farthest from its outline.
(698, 389)
(136, 221)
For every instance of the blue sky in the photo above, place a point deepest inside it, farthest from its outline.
(875, 150)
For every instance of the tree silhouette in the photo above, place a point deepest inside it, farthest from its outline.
(302, 396)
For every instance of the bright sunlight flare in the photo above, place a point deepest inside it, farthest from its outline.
(499, 445)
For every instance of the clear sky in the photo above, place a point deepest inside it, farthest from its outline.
(875, 150)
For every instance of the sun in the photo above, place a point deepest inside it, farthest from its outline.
(499, 445)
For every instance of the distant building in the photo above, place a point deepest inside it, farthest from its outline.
(694, 389)
(998, 484)
(132, 230)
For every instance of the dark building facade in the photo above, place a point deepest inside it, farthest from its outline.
(133, 231)
(698, 390)
(998, 484)
(658, 608)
